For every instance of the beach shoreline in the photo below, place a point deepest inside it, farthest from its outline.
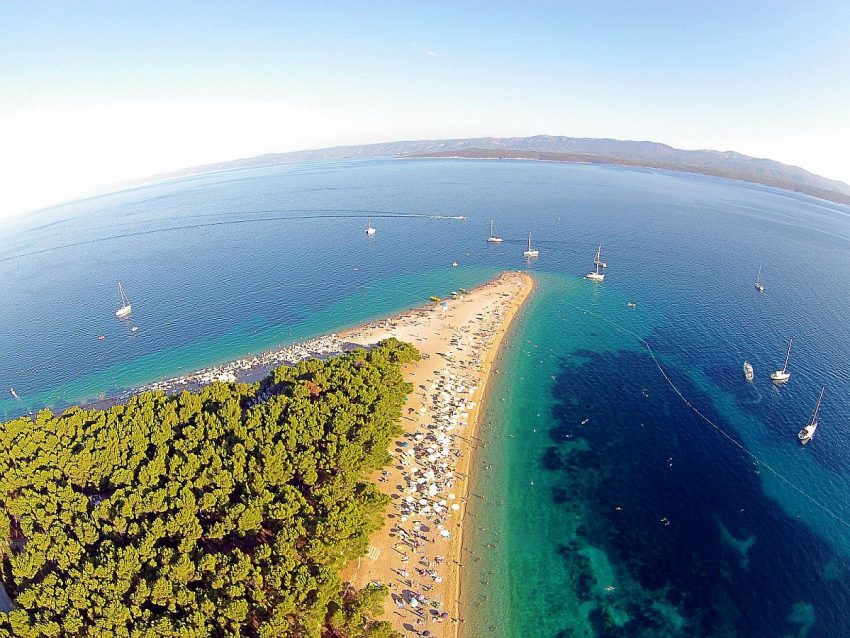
(493, 355)
(418, 553)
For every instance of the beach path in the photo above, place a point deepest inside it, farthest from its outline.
(418, 552)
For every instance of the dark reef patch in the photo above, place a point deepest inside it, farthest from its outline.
(680, 514)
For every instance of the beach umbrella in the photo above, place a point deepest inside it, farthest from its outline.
(445, 533)
(455, 507)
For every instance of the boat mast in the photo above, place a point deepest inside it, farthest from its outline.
(817, 407)
(123, 295)
(491, 228)
(529, 241)
(787, 355)
(758, 278)
(598, 254)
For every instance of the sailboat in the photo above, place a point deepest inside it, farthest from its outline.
(597, 264)
(125, 308)
(748, 371)
(805, 435)
(780, 376)
(493, 238)
(759, 283)
(529, 251)
(370, 231)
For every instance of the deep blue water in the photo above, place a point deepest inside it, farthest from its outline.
(758, 541)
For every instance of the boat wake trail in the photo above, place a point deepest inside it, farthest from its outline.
(821, 506)
(257, 216)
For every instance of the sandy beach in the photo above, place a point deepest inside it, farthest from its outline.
(419, 551)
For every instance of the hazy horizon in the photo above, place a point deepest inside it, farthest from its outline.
(99, 94)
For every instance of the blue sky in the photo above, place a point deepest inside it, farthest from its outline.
(101, 91)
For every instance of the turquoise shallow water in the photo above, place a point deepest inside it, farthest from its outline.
(608, 507)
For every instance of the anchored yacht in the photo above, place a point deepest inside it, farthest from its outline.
(598, 264)
(805, 435)
(780, 376)
(529, 251)
(492, 237)
(125, 308)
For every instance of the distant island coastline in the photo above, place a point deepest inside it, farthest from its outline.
(578, 158)
(724, 164)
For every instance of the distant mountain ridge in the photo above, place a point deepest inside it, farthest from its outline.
(728, 164)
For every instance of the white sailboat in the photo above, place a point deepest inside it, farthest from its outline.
(529, 251)
(596, 275)
(493, 238)
(805, 435)
(780, 376)
(759, 283)
(748, 371)
(370, 231)
(125, 308)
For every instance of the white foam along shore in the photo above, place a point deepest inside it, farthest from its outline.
(320, 347)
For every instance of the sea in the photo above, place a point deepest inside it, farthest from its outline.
(629, 481)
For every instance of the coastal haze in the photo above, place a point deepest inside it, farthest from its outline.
(602, 502)
(561, 149)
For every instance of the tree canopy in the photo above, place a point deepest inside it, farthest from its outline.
(224, 512)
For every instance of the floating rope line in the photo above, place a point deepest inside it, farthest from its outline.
(719, 429)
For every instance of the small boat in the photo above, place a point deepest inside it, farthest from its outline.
(125, 309)
(134, 328)
(597, 263)
(370, 231)
(632, 304)
(454, 264)
(101, 337)
(529, 251)
(435, 298)
(14, 394)
(805, 435)
(781, 376)
(759, 283)
(492, 237)
(748, 371)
